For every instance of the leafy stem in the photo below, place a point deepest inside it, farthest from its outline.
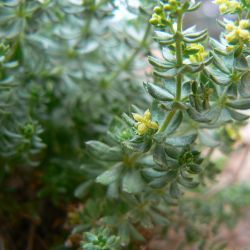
(179, 55)
(167, 120)
(179, 60)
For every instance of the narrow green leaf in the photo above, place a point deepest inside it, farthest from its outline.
(197, 116)
(163, 35)
(194, 68)
(218, 46)
(158, 92)
(241, 64)
(174, 190)
(244, 86)
(217, 76)
(158, 182)
(166, 42)
(237, 116)
(135, 233)
(196, 34)
(219, 63)
(189, 30)
(175, 123)
(82, 190)
(150, 173)
(159, 155)
(172, 151)
(168, 55)
(194, 7)
(181, 141)
(171, 73)
(159, 219)
(110, 175)
(187, 184)
(113, 189)
(132, 182)
(160, 63)
(194, 168)
(128, 119)
(240, 104)
(123, 232)
(196, 39)
(103, 151)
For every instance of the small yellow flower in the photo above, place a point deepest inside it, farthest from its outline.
(244, 34)
(172, 1)
(220, 1)
(233, 5)
(144, 123)
(230, 27)
(237, 33)
(230, 6)
(244, 24)
(167, 7)
(231, 36)
(223, 8)
(200, 55)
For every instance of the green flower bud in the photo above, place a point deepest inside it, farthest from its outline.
(158, 10)
(167, 7)
(172, 2)
(153, 21)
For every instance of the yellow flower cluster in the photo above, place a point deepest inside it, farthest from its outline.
(144, 123)
(228, 6)
(158, 17)
(238, 33)
(200, 55)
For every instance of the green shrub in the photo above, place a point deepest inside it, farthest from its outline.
(70, 73)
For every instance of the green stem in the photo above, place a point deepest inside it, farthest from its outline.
(179, 76)
(179, 55)
(221, 100)
(167, 120)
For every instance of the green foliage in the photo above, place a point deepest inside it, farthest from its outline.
(66, 68)
(71, 73)
(199, 85)
(100, 240)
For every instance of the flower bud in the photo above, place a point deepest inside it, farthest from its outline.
(220, 1)
(244, 34)
(167, 7)
(230, 27)
(233, 6)
(244, 24)
(172, 2)
(223, 8)
(231, 36)
(158, 10)
(153, 21)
